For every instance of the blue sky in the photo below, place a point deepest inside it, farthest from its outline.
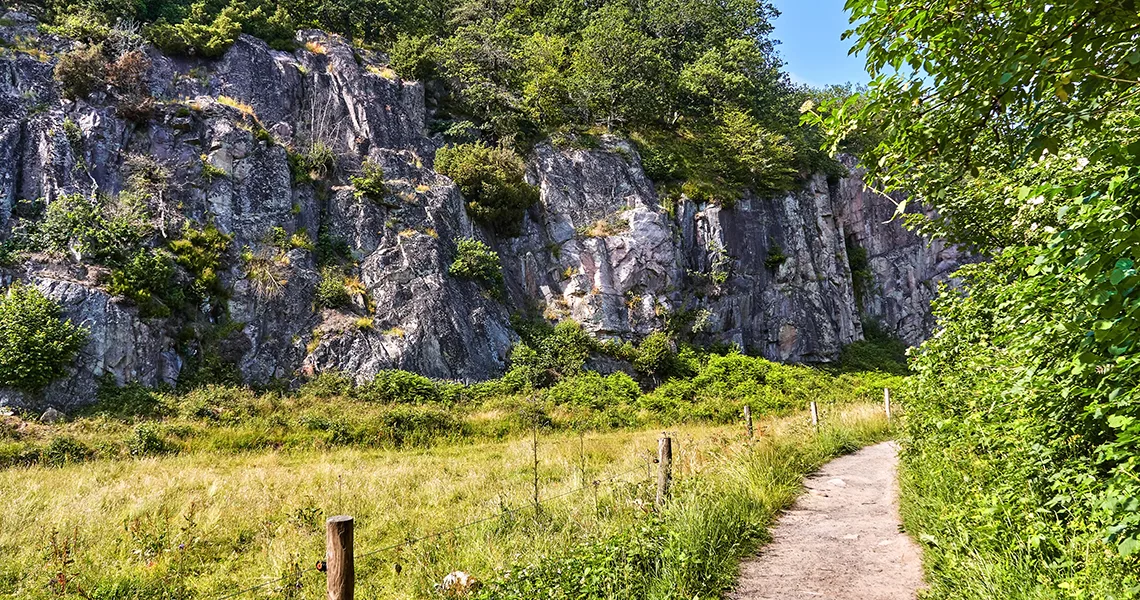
(809, 33)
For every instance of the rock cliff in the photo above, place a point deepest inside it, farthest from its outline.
(770, 274)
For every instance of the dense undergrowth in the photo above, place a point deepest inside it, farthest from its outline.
(548, 388)
(1021, 130)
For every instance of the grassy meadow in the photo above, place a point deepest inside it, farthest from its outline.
(202, 524)
(203, 492)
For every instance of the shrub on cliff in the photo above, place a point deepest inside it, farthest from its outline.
(474, 260)
(202, 253)
(81, 71)
(492, 182)
(331, 291)
(127, 76)
(370, 183)
(144, 279)
(35, 342)
(102, 229)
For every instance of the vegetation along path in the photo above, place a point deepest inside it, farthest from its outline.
(842, 539)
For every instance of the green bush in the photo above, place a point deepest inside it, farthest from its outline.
(656, 355)
(492, 181)
(128, 402)
(594, 390)
(82, 25)
(146, 440)
(399, 387)
(219, 403)
(202, 252)
(370, 183)
(200, 33)
(207, 31)
(776, 257)
(331, 291)
(548, 354)
(329, 384)
(411, 56)
(36, 344)
(879, 351)
(421, 425)
(107, 230)
(145, 279)
(475, 260)
(64, 449)
(314, 163)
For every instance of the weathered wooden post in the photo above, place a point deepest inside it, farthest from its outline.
(534, 447)
(748, 420)
(815, 416)
(664, 469)
(887, 403)
(338, 550)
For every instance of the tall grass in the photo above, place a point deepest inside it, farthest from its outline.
(692, 549)
(977, 547)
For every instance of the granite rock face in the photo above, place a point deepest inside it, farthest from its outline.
(771, 275)
(906, 269)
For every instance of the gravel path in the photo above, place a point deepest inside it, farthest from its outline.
(841, 540)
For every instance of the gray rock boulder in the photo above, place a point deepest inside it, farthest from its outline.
(52, 416)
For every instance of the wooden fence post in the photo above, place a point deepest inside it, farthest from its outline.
(338, 548)
(748, 420)
(814, 416)
(664, 469)
(887, 403)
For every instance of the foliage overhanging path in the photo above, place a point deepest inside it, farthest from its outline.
(842, 540)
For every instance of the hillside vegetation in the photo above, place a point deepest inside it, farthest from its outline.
(1017, 122)
(696, 83)
(547, 387)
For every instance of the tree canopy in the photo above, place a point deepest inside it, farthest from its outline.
(697, 82)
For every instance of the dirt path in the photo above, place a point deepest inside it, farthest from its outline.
(841, 540)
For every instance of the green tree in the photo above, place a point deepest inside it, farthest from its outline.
(620, 71)
(36, 343)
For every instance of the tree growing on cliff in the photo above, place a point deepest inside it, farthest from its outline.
(36, 343)
(475, 260)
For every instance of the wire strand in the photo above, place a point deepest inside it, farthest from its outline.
(429, 536)
(250, 589)
(491, 517)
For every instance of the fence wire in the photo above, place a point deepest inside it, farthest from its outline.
(497, 515)
(609, 480)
